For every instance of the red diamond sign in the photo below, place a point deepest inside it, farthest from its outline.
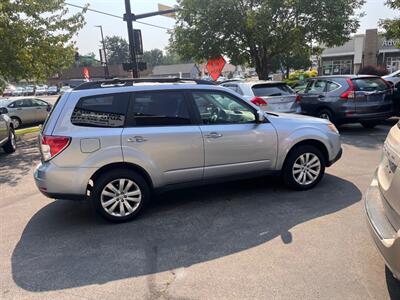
(215, 67)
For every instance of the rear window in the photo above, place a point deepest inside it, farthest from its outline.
(370, 84)
(101, 111)
(271, 90)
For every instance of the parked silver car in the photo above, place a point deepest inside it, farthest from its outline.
(382, 203)
(268, 95)
(114, 142)
(7, 134)
(26, 110)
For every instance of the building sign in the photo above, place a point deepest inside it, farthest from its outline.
(215, 67)
(389, 43)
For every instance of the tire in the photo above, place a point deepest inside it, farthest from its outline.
(101, 195)
(291, 171)
(370, 124)
(16, 122)
(326, 114)
(11, 145)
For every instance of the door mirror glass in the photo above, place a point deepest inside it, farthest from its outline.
(3, 111)
(260, 117)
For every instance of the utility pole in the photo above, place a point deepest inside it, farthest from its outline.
(128, 17)
(106, 71)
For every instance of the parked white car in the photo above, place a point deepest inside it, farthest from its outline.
(268, 95)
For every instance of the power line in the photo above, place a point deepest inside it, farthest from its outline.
(115, 16)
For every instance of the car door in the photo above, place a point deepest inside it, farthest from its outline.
(162, 134)
(315, 93)
(234, 143)
(23, 110)
(41, 109)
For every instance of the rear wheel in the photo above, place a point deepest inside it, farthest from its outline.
(120, 195)
(11, 145)
(16, 122)
(370, 124)
(326, 114)
(304, 168)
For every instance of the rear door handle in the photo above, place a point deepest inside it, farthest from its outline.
(213, 135)
(137, 139)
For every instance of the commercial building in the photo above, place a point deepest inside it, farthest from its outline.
(371, 48)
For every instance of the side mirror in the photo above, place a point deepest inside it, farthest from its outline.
(260, 116)
(3, 111)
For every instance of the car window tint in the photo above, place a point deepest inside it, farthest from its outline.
(317, 87)
(271, 90)
(101, 111)
(221, 108)
(37, 102)
(331, 86)
(167, 108)
(370, 84)
(234, 87)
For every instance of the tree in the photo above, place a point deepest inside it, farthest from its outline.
(256, 31)
(153, 57)
(88, 60)
(35, 38)
(117, 50)
(392, 26)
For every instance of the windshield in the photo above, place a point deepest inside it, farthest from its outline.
(268, 90)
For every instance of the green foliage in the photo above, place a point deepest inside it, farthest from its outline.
(392, 26)
(35, 38)
(117, 50)
(257, 31)
(156, 57)
(298, 76)
(88, 60)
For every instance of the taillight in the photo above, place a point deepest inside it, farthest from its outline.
(298, 99)
(351, 91)
(259, 101)
(50, 145)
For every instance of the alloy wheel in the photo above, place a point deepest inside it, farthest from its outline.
(13, 140)
(306, 168)
(16, 122)
(121, 197)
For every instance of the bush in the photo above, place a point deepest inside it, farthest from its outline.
(294, 77)
(373, 70)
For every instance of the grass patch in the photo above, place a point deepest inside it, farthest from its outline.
(27, 130)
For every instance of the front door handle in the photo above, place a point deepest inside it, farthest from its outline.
(138, 139)
(213, 135)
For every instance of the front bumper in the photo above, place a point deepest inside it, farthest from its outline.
(338, 156)
(62, 183)
(386, 238)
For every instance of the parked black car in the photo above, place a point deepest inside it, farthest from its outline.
(348, 99)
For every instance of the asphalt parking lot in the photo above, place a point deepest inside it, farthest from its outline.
(250, 239)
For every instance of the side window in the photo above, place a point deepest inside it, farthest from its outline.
(317, 87)
(234, 87)
(12, 104)
(27, 103)
(101, 111)
(221, 108)
(167, 108)
(37, 102)
(331, 86)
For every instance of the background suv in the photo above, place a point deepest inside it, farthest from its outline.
(116, 141)
(348, 99)
(382, 203)
(268, 95)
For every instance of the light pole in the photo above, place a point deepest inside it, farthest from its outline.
(106, 72)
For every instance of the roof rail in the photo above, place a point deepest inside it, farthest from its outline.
(231, 80)
(116, 82)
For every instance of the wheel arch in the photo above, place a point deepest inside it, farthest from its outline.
(310, 142)
(121, 165)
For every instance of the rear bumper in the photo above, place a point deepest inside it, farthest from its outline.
(386, 238)
(62, 183)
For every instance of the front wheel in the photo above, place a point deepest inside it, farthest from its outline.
(304, 168)
(120, 195)
(11, 144)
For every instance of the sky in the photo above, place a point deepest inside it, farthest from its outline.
(88, 39)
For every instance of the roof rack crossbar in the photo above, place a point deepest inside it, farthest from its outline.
(116, 82)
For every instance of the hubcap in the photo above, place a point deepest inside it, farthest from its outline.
(15, 123)
(325, 116)
(306, 168)
(121, 197)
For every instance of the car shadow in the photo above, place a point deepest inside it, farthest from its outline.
(393, 285)
(65, 246)
(13, 167)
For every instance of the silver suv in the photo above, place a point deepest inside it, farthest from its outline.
(115, 142)
(383, 203)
